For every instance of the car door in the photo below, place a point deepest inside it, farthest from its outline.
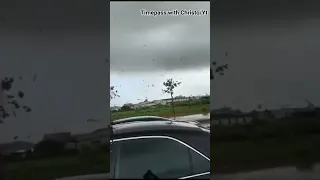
(162, 157)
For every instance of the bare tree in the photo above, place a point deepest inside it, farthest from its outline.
(170, 85)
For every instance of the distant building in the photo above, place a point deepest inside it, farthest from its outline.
(166, 101)
(93, 140)
(130, 105)
(17, 147)
(144, 104)
(115, 108)
(58, 137)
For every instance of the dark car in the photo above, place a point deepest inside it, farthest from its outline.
(159, 148)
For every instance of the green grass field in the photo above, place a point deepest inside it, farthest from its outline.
(52, 168)
(293, 142)
(229, 157)
(163, 111)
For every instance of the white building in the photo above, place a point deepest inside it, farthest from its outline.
(144, 104)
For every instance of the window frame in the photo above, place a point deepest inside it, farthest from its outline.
(190, 148)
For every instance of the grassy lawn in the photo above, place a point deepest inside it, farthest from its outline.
(49, 169)
(246, 148)
(163, 111)
(248, 155)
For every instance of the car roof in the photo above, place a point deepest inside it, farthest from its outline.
(140, 119)
(135, 127)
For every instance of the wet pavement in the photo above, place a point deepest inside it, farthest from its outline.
(311, 172)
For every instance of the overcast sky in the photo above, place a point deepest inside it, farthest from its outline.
(273, 53)
(147, 50)
(66, 46)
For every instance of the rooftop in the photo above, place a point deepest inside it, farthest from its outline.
(154, 126)
(139, 118)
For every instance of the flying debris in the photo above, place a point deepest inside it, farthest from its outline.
(9, 96)
(15, 138)
(227, 53)
(26, 108)
(15, 104)
(20, 94)
(6, 84)
(92, 120)
(34, 77)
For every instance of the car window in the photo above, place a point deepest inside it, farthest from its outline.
(199, 163)
(154, 157)
(201, 142)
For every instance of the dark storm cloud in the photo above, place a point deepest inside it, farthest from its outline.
(258, 12)
(68, 55)
(145, 43)
(62, 16)
(272, 53)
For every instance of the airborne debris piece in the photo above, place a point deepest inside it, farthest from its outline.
(34, 77)
(26, 108)
(21, 94)
(6, 84)
(9, 96)
(15, 104)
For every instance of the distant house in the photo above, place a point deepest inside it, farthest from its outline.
(93, 140)
(176, 99)
(17, 147)
(129, 105)
(207, 97)
(181, 99)
(115, 108)
(144, 104)
(160, 102)
(63, 137)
